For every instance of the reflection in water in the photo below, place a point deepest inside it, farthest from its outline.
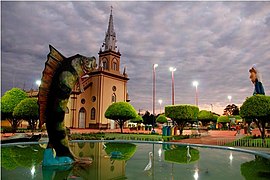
(231, 158)
(188, 155)
(196, 174)
(149, 165)
(181, 154)
(33, 170)
(56, 172)
(259, 168)
(117, 161)
(21, 156)
(159, 154)
(109, 162)
(120, 151)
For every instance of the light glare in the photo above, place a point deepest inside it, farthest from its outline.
(195, 83)
(38, 82)
(172, 69)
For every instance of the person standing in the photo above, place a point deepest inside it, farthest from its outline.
(255, 78)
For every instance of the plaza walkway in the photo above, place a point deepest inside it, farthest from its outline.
(213, 136)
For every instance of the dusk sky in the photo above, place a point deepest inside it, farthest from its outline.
(215, 43)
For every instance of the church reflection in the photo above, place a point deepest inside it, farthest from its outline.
(102, 167)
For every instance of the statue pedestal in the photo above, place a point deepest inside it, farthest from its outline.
(49, 159)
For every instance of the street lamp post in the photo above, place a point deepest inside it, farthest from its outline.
(172, 69)
(211, 107)
(154, 92)
(195, 83)
(160, 101)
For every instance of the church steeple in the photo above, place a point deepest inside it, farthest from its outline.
(110, 36)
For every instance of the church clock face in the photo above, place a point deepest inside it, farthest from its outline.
(114, 88)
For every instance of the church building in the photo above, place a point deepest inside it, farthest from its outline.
(102, 87)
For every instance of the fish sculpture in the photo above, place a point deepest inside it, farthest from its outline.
(59, 77)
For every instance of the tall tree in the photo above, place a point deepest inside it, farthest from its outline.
(231, 109)
(149, 118)
(27, 109)
(257, 108)
(8, 102)
(181, 114)
(120, 112)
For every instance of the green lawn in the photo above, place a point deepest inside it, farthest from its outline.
(108, 136)
(248, 141)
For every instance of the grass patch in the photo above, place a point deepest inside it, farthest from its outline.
(125, 136)
(112, 136)
(250, 141)
(139, 137)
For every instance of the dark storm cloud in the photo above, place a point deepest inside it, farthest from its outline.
(214, 43)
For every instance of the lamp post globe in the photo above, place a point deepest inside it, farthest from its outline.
(230, 98)
(38, 82)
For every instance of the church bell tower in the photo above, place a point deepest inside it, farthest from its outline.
(109, 55)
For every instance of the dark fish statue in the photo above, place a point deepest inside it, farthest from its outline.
(59, 77)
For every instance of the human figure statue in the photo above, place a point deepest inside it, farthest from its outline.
(255, 78)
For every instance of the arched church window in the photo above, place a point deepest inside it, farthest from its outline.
(105, 64)
(93, 114)
(114, 66)
(82, 117)
(113, 98)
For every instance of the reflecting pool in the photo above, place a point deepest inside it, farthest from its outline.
(137, 160)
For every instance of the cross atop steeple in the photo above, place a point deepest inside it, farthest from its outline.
(110, 36)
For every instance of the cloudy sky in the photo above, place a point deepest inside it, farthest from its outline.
(214, 43)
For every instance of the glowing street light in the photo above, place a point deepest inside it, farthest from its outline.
(230, 98)
(172, 69)
(154, 91)
(160, 101)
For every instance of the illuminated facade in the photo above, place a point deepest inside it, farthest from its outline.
(103, 86)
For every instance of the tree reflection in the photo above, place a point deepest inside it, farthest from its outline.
(259, 168)
(181, 154)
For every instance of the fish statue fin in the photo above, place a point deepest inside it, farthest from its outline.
(54, 61)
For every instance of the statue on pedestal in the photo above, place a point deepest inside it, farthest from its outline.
(255, 78)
